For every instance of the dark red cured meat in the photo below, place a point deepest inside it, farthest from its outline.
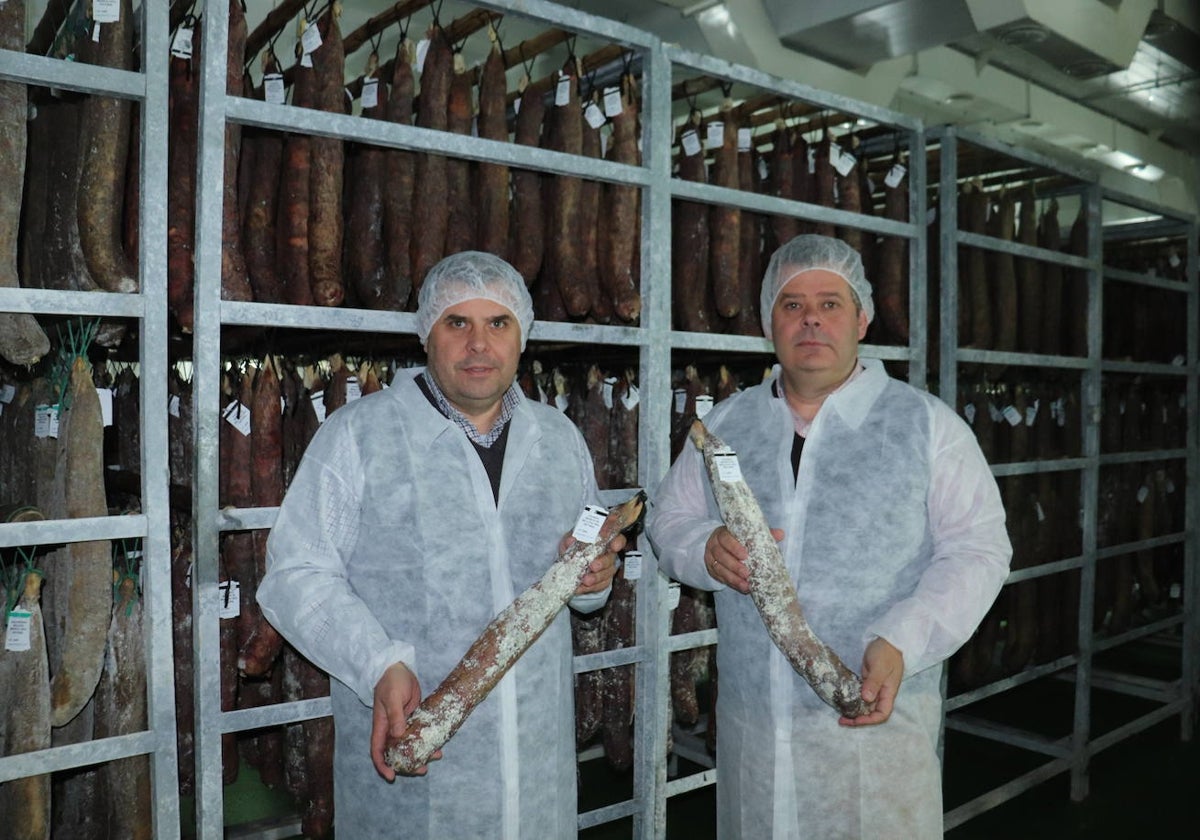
(460, 226)
(527, 229)
(725, 222)
(325, 222)
(492, 178)
(363, 255)
(690, 250)
(400, 171)
(430, 186)
(620, 234)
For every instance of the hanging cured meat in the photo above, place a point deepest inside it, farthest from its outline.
(724, 221)
(325, 221)
(400, 171)
(621, 227)
(690, 242)
(492, 178)
(430, 185)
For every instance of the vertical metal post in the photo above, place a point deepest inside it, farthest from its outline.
(206, 343)
(948, 250)
(1190, 682)
(152, 348)
(918, 264)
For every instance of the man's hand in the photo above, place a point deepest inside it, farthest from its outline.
(601, 570)
(397, 695)
(725, 559)
(882, 670)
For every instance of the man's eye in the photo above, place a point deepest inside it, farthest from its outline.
(500, 323)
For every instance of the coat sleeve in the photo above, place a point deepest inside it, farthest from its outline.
(971, 552)
(680, 520)
(306, 593)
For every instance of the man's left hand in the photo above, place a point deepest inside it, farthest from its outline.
(882, 670)
(601, 570)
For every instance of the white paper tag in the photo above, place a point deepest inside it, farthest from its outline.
(930, 215)
(1041, 515)
(422, 51)
(1142, 493)
(1179, 361)
(762, 169)
(715, 135)
(1174, 261)
(238, 416)
(704, 404)
(672, 595)
(96, 33)
(895, 175)
(370, 93)
(318, 403)
(587, 527)
(1175, 591)
(1170, 486)
(562, 402)
(106, 405)
(181, 44)
(562, 91)
(606, 391)
(45, 421)
(743, 139)
(631, 397)
(728, 469)
(994, 413)
(690, 142)
(229, 594)
(18, 633)
(593, 115)
(7, 392)
(516, 106)
(310, 41)
(306, 60)
(1012, 415)
(842, 161)
(812, 160)
(273, 89)
(969, 413)
(106, 11)
(633, 564)
(680, 400)
(612, 101)
(353, 389)
(1031, 412)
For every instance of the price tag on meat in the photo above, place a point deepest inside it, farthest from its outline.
(1012, 415)
(587, 527)
(181, 44)
(716, 135)
(631, 398)
(743, 139)
(672, 595)
(606, 391)
(593, 115)
(230, 593)
(310, 41)
(238, 416)
(422, 51)
(45, 421)
(353, 389)
(680, 400)
(273, 89)
(612, 102)
(704, 404)
(106, 11)
(17, 633)
(105, 395)
(370, 93)
(562, 91)
(728, 469)
(318, 404)
(7, 392)
(690, 142)
(895, 176)
(633, 565)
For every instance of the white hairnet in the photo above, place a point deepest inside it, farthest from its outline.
(805, 253)
(469, 275)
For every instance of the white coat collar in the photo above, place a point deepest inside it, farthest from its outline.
(854, 400)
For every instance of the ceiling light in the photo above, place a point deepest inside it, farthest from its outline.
(959, 98)
(1023, 34)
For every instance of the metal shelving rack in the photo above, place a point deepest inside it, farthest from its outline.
(148, 308)
(1074, 752)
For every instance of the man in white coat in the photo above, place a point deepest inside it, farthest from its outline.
(892, 529)
(417, 514)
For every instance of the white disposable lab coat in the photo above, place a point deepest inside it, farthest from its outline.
(894, 528)
(391, 547)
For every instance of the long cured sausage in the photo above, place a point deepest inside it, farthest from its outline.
(492, 178)
(749, 268)
(772, 590)
(430, 186)
(1029, 278)
(1050, 237)
(259, 220)
(850, 199)
(1003, 224)
(22, 341)
(621, 228)
(616, 684)
(105, 126)
(588, 227)
(690, 243)
(291, 217)
(526, 241)
(364, 241)
(725, 222)
(891, 274)
(181, 198)
(325, 222)
(500, 645)
(1076, 291)
(824, 181)
(460, 226)
(563, 197)
(974, 270)
(235, 283)
(782, 167)
(400, 170)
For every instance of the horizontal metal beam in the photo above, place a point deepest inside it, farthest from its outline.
(66, 75)
(60, 531)
(84, 754)
(56, 302)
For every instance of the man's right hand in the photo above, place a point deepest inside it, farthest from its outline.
(725, 559)
(397, 695)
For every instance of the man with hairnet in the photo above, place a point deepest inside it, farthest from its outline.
(892, 529)
(419, 513)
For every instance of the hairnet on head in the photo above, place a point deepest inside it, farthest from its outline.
(469, 275)
(807, 252)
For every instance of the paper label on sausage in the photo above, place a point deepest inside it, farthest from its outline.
(680, 400)
(173, 405)
(370, 93)
(1041, 515)
(844, 161)
(1174, 260)
(631, 398)
(690, 142)
(181, 44)
(273, 89)
(812, 160)
(105, 396)
(17, 632)
(612, 102)
(633, 564)
(969, 413)
(672, 595)
(229, 593)
(587, 527)
(422, 51)
(728, 468)
(310, 41)
(238, 416)
(562, 402)
(7, 392)
(562, 91)
(895, 175)
(762, 169)
(704, 404)
(1175, 591)
(606, 391)
(96, 33)
(593, 115)
(353, 388)
(106, 11)
(1142, 493)
(1031, 412)
(45, 421)
(1012, 415)
(743, 140)
(715, 135)
(306, 60)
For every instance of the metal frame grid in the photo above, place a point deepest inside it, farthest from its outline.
(1072, 753)
(149, 308)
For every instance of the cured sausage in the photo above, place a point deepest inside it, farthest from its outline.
(587, 636)
(235, 283)
(492, 198)
(564, 200)
(690, 244)
(724, 221)
(501, 643)
(617, 683)
(1050, 237)
(824, 181)
(363, 255)
(325, 222)
(526, 241)
(621, 225)
(291, 220)
(104, 145)
(258, 222)
(750, 268)
(1029, 278)
(430, 185)
(22, 341)
(460, 226)
(891, 273)
(400, 170)
(783, 166)
(1076, 292)
(772, 590)
(1002, 225)
(850, 199)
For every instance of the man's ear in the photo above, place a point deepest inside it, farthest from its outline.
(862, 323)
